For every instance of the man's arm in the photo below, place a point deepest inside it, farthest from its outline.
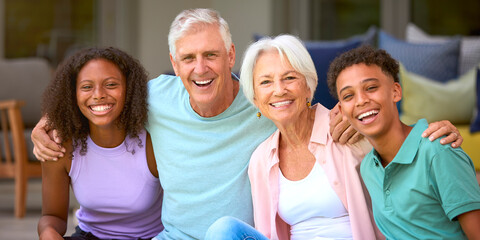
(343, 132)
(46, 146)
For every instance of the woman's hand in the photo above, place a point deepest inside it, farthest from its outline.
(341, 129)
(444, 128)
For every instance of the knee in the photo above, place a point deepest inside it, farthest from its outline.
(223, 228)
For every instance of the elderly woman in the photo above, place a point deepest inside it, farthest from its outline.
(304, 185)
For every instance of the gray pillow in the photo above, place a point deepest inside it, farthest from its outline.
(25, 79)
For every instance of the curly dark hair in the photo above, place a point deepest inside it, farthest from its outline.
(60, 100)
(364, 54)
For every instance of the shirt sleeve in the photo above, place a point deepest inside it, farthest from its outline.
(453, 176)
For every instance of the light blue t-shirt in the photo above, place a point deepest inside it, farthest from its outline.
(422, 191)
(202, 162)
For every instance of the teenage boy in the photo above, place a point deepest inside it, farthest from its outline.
(419, 189)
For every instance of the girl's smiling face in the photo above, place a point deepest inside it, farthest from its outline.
(101, 90)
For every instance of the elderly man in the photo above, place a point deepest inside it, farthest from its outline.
(203, 129)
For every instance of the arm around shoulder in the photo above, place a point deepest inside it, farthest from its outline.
(47, 146)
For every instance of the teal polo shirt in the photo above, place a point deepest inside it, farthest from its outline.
(422, 191)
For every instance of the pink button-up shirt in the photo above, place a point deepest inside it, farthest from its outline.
(341, 164)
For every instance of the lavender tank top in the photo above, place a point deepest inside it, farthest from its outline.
(119, 197)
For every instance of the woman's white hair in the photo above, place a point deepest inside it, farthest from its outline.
(197, 18)
(286, 45)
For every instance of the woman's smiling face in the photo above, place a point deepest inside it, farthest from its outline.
(281, 92)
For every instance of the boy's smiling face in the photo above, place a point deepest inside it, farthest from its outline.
(368, 98)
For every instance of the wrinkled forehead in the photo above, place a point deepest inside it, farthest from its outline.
(200, 41)
(277, 52)
(197, 28)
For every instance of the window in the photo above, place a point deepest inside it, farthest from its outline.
(446, 17)
(47, 28)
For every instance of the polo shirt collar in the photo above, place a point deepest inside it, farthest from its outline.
(410, 146)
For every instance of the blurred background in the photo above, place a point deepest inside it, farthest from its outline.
(50, 30)
(53, 29)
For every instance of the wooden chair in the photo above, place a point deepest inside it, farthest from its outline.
(14, 161)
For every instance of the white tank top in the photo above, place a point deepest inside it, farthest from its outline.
(312, 208)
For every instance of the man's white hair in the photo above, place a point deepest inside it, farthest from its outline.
(196, 19)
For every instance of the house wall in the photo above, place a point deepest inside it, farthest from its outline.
(244, 17)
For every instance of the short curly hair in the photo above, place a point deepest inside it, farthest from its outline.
(363, 54)
(60, 103)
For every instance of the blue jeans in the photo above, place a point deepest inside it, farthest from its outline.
(230, 228)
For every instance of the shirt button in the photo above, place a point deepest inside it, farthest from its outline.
(387, 192)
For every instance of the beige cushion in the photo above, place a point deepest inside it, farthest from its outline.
(426, 98)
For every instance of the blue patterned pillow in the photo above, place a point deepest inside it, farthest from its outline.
(475, 125)
(469, 46)
(322, 54)
(437, 61)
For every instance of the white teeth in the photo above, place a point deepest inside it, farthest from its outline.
(366, 114)
(204, 82)
(279, 104)
(100, 108)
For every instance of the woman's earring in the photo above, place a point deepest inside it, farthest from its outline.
(308, 103)
(259, 115)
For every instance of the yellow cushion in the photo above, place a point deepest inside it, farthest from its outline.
(471, 144)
